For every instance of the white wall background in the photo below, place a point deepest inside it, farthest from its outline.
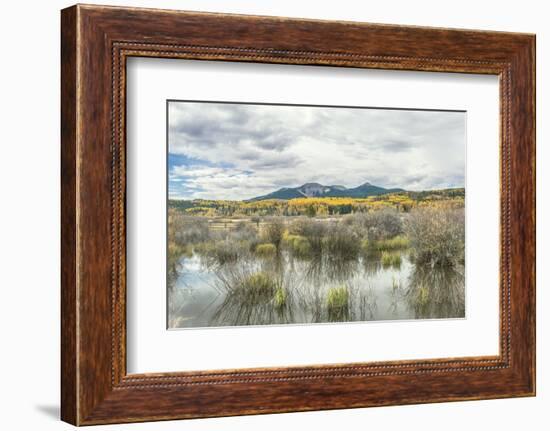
(29, 227)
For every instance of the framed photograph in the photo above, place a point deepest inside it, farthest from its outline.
(263, 214)
(265, 232)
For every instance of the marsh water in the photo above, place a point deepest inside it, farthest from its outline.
(202, 295)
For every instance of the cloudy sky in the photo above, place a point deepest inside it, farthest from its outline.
(239, 151)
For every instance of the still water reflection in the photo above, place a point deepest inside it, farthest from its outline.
(286, 290)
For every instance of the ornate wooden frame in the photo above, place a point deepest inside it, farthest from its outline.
(95, 42)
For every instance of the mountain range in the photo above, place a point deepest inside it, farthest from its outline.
(311, 190)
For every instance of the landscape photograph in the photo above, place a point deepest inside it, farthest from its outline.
(300, 214)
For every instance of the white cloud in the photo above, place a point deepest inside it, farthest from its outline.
(241, 151)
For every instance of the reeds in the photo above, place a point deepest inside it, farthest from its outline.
(280, 298)
(396, 243)
(258, 284)
(338, 303)
(390, 259)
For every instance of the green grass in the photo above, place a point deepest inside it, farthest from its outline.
(312, 230)
(422, 295)
(298, 245)
(337, 297)
(338, 303)
(280, 298)
(390, 259)
(258, 284)
(266, 250)
(396, 243)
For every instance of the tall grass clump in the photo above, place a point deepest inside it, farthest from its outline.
(338, 303)
(312, 230)
(390, 259)
(436, 235)
(422, 295)
(266, 250)
(257, 285)
(280, 298)
(186, 230)
(298, 245)
(396, 243)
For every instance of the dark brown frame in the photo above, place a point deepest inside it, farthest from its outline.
(95, 43)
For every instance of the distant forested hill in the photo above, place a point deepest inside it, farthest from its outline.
(319, 206)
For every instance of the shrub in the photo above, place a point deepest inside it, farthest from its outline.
(266, 250)
(288, 238)
(356, 222)
(383, 224)
(187, 230)
(256, 219)
(223, 252)
(244, 233)
(273, 232)
(341, 242)
(436, 235)
(312, 230)
(375, 225)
